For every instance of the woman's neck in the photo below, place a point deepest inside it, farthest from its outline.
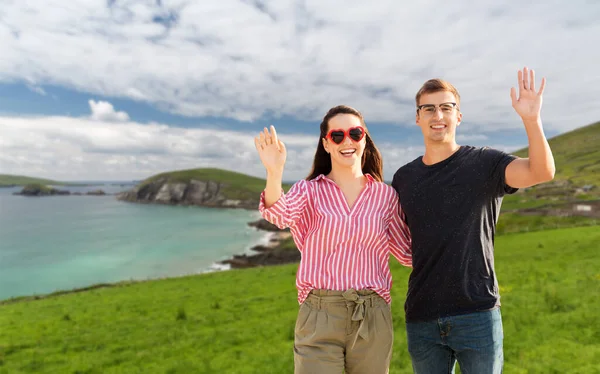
(346, 175)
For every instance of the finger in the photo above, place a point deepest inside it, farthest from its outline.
(274, 135)
(262, 138)
(542, 86)
(257, 143)
(532, 80)
(268, 139)
(513, 95)
(525, 78)
(520, 80)
(281, 146)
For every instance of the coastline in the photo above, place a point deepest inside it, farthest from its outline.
(259, 247)
(222, 265)
(272, 249)
(268, 252)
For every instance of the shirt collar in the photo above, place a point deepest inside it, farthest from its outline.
(370, 179)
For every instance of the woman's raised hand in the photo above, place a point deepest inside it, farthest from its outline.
(271, 150)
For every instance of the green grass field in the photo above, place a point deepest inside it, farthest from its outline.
(510, 223)
(242, 321)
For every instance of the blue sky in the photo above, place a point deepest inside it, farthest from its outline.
(121, 90)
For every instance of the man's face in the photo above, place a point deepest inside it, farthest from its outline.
(438, 116)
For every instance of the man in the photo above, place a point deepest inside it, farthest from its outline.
(451, 197)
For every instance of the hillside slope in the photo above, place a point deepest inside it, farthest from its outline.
(577, 179)
(577, 155)
(9, 180)
(203, 187)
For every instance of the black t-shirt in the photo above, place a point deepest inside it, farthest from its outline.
(451, 209)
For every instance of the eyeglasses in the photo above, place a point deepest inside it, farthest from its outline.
(355, 133)
(427, 110)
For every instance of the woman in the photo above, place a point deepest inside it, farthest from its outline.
(345, 221)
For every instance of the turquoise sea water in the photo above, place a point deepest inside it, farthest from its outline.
(65, 242)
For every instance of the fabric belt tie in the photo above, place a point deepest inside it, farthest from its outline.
(358, 314)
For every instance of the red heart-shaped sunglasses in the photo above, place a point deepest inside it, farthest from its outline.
(338, 135)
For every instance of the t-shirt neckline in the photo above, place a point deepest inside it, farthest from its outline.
(460, 150)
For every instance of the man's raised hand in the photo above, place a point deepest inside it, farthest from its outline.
(528, 104)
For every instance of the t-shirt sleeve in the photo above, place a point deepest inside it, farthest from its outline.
(289, 209)
(396, 180)
(498, 161)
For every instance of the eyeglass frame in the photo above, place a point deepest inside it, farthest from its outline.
(435, 107)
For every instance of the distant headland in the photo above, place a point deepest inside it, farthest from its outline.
(200, 187)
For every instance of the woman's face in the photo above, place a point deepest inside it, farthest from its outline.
(349, 151)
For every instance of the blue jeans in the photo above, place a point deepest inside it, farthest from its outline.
(474, 339)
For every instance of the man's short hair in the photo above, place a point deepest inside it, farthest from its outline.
(437, 85)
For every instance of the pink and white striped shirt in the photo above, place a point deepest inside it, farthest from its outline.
(342, 248)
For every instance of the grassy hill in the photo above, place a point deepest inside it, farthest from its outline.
(20, 180)
(577, 155)
(242, 321)
(577, 180)
(238, 185)
(577, 159)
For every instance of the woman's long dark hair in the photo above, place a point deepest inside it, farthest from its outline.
(371, 158)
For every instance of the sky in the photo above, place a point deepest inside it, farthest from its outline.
(124, 89)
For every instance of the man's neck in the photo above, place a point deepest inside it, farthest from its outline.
(438, 152)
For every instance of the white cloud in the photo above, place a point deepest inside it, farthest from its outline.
(69, 148)
(245, 59)
(104, 111)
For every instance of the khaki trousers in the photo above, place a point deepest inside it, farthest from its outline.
(337, 331)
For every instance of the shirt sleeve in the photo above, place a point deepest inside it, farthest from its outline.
(399, 238)
(498, 162)
(289, 209)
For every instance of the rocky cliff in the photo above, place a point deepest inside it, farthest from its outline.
(42, 190)
(195, 192)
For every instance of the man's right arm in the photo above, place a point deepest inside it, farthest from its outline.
(539, 167)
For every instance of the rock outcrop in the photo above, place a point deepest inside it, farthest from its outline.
(263, 224)
(276, 252)
(96, 193)
(41, 190)
(195, 192)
